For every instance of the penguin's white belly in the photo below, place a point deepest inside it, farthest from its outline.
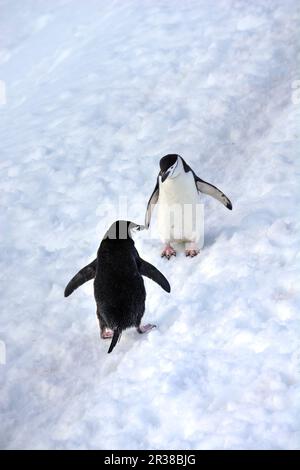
(177, 209)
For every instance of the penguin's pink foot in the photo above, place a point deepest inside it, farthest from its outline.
(191, 249)
(106, 333)
(168, 251)
(192, 253)
(145, 328)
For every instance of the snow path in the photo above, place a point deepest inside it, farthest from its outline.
(96, 93)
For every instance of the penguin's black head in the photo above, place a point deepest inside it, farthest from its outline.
(122, 230)
(168, 165)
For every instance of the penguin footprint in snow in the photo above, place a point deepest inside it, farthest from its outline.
(118, 283)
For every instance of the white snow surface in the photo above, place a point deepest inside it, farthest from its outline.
(96, 93)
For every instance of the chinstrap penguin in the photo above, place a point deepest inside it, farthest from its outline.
(118, 284)
(177, 191)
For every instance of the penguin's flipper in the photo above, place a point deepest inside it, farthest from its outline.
(85, 274)
(148, 270)
(212, 191)
(151, 203)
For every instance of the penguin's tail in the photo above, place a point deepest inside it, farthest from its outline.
(115, 339)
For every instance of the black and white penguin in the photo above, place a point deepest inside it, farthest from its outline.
(178, 186)
(118, 286)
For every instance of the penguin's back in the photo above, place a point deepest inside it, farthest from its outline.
(119, 287)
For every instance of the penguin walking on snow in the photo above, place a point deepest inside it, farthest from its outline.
(177, 194)
(118, 286)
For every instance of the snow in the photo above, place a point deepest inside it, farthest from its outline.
(95, 93)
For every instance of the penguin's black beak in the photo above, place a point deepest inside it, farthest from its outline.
(164, 176)
(135, 227)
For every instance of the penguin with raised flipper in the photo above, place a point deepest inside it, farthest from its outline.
(118, 286)
(178, 186)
